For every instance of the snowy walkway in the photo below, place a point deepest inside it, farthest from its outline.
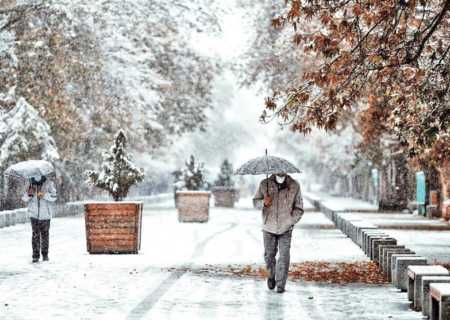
(428, 237)
(76, 285)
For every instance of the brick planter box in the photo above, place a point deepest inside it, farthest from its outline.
(193, 206)
(224, 196)
(113, 227)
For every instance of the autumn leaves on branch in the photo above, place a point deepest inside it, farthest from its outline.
(395, 50)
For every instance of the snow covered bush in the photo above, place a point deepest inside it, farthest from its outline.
(225, 175)
(193, 175)
(23, 133)
(118, 173)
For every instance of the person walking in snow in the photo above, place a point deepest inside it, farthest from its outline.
(39, 197)
(280, 199)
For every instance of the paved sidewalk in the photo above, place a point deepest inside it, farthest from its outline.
(76, 285)
(428, 237)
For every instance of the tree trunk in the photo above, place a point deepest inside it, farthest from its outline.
(433, 183)
(395, 191)
(445, 183)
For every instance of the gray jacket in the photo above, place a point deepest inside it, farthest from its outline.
(286, 207)
(41, 208)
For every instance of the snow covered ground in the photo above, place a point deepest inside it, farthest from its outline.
(153, 285)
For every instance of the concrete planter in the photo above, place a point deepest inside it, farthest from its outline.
(113, 227)
(2, 219)
(224, 196)
(9, 218)
(193, 206)
(21, 215)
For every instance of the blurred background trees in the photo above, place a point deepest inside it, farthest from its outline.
(379, 67)
(372, 76)
(87, 69)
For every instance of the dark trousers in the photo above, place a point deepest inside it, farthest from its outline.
(277, 269)
(40, 235)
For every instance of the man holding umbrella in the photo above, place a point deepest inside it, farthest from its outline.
(39, 196)
(280, 199)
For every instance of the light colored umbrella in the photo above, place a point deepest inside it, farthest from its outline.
(28, 169)
(266, 165)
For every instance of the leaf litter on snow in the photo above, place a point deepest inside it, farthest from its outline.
(325, 272)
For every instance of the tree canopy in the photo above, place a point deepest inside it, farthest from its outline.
(90, 68)
(395, 53)
(23, 132)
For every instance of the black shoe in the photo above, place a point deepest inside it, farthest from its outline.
(35, 260)
(45, 258)
(271, 283)
(280, 290)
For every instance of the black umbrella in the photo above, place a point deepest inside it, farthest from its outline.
(266, 165)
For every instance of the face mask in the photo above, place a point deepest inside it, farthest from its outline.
(37, 178)
(280, 179)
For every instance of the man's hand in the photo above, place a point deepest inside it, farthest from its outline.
(267, 202)
(31, 192)
(41, 194)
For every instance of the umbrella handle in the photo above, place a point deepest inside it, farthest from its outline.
(267, 179)
(5, 191)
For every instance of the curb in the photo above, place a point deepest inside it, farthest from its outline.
(400, 265)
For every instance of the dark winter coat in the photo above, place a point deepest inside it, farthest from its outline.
(286, 207)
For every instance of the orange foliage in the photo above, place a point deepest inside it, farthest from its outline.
(330, 272)
(393, 52)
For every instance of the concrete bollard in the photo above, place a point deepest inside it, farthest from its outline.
(439, 301)
(425, 292)
(346, 225)
(7, 218)
(343, 218)
(415, 275)
(367, 234)
(13, 218)
(392, 257)
(370, 241)
(354, 228)
(360, 236)
(2, 220)
(383, 257)
(376, 243)
(401, 269)
(330, 210)
(21, 215)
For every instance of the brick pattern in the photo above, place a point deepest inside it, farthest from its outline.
(113, 227)
(193, 206)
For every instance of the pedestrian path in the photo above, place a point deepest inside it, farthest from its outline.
(428, 237)
(163, 281)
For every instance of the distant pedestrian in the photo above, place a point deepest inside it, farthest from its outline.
(39, 197)
(280, 199)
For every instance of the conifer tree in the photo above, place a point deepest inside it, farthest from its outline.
(193, 175)
(118, 173)
(23, 133)
(226, 172)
